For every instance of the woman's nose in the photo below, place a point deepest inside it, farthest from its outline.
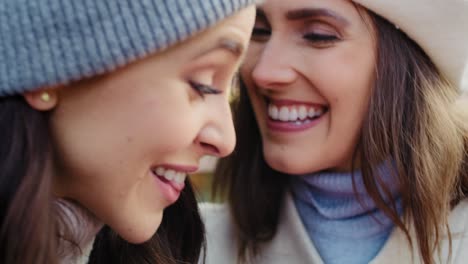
(217, 136)
(273, 66)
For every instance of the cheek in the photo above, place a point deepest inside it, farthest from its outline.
(348, 95)
(351, 98)
(333, 143)
(171, 127)
(119, 139)
(154, 127)
(349, 107)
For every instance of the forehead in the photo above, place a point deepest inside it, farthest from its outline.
(336, 8)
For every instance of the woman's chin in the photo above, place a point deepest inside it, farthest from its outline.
(287, 165)
(139, 233)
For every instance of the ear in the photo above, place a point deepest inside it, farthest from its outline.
(42, 99)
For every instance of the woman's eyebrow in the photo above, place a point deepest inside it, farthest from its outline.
(231, 45)
(304, 13)
(234, 46)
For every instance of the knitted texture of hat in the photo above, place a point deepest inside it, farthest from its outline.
(50, 42)
(438, 26)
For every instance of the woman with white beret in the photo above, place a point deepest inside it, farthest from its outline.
(352, 140)
(105, 108)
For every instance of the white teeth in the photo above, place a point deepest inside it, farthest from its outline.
(302, 112)
(273, 112)
(311, 113)
(160, 171)
(180, 177)
(171, 175)
(293, 113)
(284, 114)
(318, 112)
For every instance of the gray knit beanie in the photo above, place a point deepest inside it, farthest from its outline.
(50, 42)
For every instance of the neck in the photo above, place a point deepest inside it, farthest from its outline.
(77, 228)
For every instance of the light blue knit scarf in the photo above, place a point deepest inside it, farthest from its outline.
(343, 228)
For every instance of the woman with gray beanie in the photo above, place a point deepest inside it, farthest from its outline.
(105, 108)
(352, 139)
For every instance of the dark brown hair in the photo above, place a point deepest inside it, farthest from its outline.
(28, 219)
(412, 118)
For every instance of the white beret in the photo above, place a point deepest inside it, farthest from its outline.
(440, 27)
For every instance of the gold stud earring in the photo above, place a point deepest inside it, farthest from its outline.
(45, 97)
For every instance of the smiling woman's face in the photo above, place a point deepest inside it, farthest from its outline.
(309, 72)
(125, 142)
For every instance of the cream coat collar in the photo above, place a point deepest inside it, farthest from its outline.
(292, 245)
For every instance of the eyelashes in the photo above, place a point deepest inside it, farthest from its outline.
(204, 89)
(260, 34)
(320, 38)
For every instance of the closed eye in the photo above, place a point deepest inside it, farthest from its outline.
(259, 33)
(320, 38)
(204, 89)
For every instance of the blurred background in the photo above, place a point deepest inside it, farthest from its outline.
(202, 179)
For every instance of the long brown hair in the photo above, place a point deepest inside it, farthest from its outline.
(26, 216)
(412, 118)
(28, 219)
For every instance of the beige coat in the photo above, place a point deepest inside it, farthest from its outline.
(292, 245)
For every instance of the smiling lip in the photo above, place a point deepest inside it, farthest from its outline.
(182, 168)
(293, 126)
(170, 193)
(170, 189)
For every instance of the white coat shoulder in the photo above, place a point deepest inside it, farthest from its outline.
(220, 234)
